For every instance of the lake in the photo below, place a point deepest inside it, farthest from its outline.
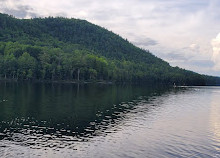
(98, 120)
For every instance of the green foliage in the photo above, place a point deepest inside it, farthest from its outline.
(26, 66)
(73, 49)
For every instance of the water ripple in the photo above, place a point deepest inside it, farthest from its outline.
(180, 122)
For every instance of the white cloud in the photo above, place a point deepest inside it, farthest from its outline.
(216, 52)
(194, 46)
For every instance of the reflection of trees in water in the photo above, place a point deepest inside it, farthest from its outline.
(46, 114)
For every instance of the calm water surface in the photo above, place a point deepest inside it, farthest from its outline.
(67, 120)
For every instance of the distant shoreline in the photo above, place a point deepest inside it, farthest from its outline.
(97, 82)
(57, 81)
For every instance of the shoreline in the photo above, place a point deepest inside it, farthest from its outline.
(97, 82)
(57, 81)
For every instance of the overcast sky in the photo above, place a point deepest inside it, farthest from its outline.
(186, 33)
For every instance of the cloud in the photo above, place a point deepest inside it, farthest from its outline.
(17, 9)
(202, 63)
(144, 42)
(216, 52)
(194, 46)
(174, 57)
(21, 12)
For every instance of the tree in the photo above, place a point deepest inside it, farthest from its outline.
(9, 65)
(27, 65)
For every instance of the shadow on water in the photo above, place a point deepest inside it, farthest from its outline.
(55, 115)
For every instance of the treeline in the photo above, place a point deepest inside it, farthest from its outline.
(76, 50)
(26, 62)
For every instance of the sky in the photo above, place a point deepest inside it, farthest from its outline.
(185, 33)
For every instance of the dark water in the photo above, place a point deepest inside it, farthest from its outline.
(67, 120)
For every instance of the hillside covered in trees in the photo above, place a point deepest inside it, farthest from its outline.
(76, 50)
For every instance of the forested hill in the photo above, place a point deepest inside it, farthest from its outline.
(72, 49)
